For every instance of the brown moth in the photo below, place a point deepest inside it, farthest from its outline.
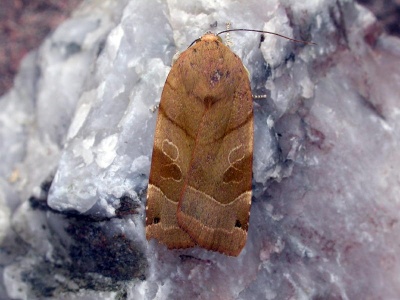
(199, 190)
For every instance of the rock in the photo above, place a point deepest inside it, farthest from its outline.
(77, 132)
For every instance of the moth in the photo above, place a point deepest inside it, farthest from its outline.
(199, 190)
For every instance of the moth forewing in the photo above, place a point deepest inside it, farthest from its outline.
(200, 179)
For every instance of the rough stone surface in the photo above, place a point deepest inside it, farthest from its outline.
(76, 139)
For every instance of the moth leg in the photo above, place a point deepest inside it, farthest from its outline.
(154, 107)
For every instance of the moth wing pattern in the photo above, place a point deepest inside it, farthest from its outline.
(168, 168)
(200, 179)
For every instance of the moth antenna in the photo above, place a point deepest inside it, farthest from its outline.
(195, 41)
(269, 32)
